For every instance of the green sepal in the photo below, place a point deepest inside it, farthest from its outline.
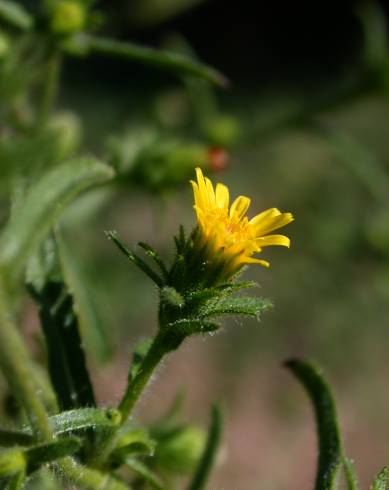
(191, 326)
(135, 259)
(172, 297)
(381, 480)
(330, 450)
(144, 473)
(234, 306)
(208, 458)
(156, 257)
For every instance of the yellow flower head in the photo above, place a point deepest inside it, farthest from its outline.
(228, 231)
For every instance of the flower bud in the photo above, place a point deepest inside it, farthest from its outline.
(181, 452)
(67, 17)
(12, 462)
(223, 130)
(68, 128)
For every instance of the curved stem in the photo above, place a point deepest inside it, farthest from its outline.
(17, 369)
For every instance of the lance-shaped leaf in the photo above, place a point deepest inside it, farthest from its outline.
(84, 44)
(14, 13)
(330, 451)
(135, 259)
(381, 480)
(66, 357)
(208, 458)
(42, 206)
(234, 306)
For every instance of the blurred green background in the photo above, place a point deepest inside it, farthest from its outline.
(305, 125)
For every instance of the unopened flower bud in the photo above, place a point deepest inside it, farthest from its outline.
(67, 17)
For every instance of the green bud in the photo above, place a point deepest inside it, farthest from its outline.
(181, 452)
(223, 130)
(12, 462)
(69, 130)
(168, 164)
(67, 17)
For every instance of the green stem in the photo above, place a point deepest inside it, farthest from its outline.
(133, 392)
(17, 369)
(138, 383)
(50, 88)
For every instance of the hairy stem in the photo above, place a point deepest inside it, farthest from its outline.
(17, 369)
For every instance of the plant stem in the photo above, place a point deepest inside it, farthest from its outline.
(17, 369)
(50, 88)
(135, 387)
(138, 383)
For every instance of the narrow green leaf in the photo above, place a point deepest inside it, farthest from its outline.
(208, 458)
(142, 471)
(181, 65)
(135, 259)
(191, 326)
(11, 438)
(234, 306)
(45, 453)
(350, 474)
(42, 206)
(381, 480)
(66, 358)
(15, 14)
(84, 418)
(155, 256)
(330, 452)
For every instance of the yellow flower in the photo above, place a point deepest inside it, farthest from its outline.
(230, 235)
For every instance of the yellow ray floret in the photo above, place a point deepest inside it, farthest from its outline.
(228, 229)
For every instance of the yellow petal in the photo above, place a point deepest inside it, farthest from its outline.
(222, 196)
(260, 218)
(269, 224)
(200, 216)
(274, 240)
(210, 192)
(239, 207)
(252, 260)
(202, 186)
(196, 193)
